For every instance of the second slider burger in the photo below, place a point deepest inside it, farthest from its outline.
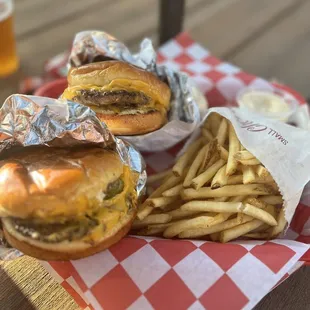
(63, 204)
(131, 101)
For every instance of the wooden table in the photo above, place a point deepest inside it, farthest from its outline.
(269, 38)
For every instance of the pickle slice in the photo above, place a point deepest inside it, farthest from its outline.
(114, 188)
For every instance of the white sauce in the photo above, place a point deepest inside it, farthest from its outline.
(264, 102)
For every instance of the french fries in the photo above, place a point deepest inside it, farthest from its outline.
(249, 162)
(197, 222)
(182, 162)
(234, 147)
(214, 124)
(222, 132)
(210, 151)
(248, 175)
(158, 177)
(207, 134)
(215, 236)
(233, 207)
(273, 200)
(161, 201)
(244, 155)
(199, 232)
(217, 190)
(257, 235)
(260, 214)
(179, 214)
(212, 206)
(223, 152)
(262, 172)
(206, 176)
(174, 191)
(145, 209)
(152, 219)
(155, 229)
(235, 179)
(195, 166)
(281, 223)
(240, 230)
(220, 178)
(237, 198)
(229, 191)
(221, 199)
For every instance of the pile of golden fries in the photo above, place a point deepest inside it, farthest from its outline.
(216, 190)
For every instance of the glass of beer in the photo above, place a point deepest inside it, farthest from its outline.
(8, 57)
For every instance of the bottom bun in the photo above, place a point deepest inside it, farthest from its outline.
(133, 124)
(69, 250)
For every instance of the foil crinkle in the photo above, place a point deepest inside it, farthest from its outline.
(31, 121)
(187, 103)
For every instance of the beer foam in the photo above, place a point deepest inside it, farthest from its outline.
(6, 9)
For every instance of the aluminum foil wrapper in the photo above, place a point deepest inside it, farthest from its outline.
(32, 120)
(187, 102)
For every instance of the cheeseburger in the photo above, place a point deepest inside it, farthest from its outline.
(63, 204)
(131, 101)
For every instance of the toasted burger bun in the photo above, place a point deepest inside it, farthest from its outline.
(66, 250)
(126, 76)
(135, 124)
(49, 182)
(137, 99)
(59, 204)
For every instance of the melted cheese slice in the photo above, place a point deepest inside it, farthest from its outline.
(111, 218)
(114, 210)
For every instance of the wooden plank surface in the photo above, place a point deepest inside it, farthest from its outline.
(32, 16)
(55, 39)
(24, 284)
(112, 17)
(45, 42)
(294, 293)
(267, 37)
(225, 28)
(283, 51)
(39, 44)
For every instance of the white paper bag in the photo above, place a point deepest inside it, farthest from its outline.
(283, 149)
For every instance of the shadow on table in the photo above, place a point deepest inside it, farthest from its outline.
(11, 295)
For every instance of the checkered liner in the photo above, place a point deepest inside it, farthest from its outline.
(150, 273)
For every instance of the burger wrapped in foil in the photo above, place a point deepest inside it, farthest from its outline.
(65, 180)
(182, 112)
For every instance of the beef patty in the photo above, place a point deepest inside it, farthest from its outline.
(56, 232)
(116, 97)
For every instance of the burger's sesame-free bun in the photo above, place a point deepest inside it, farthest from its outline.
(63, 204)
(134, 124)
(50, 182)
(131, 101)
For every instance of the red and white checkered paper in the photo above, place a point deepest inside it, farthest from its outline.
(150, 273)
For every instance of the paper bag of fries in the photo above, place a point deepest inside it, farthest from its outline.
(240, 175)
